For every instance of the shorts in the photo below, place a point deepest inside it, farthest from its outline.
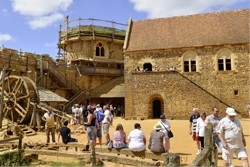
(91, 131)
(99, 133)
(227, 154)
(195, 138)
(106, 128)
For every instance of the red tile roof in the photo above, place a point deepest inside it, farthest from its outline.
(230, 27)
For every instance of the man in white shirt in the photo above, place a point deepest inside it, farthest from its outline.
(77, 112)
(214, 119)
(106, 124)
(231, 135)
(48, 117)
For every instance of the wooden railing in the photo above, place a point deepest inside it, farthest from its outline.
(101, 71)
(61, 79)
(76, 99)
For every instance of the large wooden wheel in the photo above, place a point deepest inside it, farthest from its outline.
(20, 96)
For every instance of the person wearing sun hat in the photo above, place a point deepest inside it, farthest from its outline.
(231, 135)
(156, 139)
(165, 126)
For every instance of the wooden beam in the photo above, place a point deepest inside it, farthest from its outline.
(127, 152)
(78, 145)
(127, 160)
(9, 139)
(58, 153)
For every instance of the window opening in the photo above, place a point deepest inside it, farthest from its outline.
(100, 51)
(224, 64)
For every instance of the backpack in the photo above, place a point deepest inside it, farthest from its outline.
(100, 116)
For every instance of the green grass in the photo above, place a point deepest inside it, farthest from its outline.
(50, 163)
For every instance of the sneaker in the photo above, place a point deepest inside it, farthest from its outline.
(107, 142)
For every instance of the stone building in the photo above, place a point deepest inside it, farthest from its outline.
(94, 48)
(184, 62)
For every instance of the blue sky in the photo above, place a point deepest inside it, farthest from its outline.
(33, 25)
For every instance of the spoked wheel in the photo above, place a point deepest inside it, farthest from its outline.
(20, 95)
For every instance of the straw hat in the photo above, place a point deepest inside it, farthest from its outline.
(157, 126)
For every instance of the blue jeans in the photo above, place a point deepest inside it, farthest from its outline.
(218, 142)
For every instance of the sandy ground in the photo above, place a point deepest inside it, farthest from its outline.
(181, 142)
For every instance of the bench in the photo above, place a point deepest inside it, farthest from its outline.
(83, 147)
(143, 158)
(125, 151)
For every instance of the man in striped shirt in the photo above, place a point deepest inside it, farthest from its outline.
(192, 127)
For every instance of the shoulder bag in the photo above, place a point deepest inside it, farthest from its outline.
(170, 133)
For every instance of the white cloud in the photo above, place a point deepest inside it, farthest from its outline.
(41, 13)
(5, 37)
(167, 8)
(43, 22)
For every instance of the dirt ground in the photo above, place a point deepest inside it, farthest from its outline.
(181, 142)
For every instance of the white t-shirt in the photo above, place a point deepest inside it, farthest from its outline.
(166, 124)
(107, 116)
(50, 123)
(77, 111)
(136, 143)
(231, 132)
(200, 127)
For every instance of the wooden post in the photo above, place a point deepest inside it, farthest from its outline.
(20, 148)
(209, 142)
(93, 156)
(41, 71)
(171, 160)
(2, 97)
(205, 157)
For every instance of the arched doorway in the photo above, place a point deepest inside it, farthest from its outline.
(156, 108)
(147, 67)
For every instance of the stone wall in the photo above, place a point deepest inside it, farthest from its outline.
(86, 49)
(181, 91)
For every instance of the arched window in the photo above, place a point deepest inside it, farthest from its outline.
(189, 61)
(147, 67)
(99, 50)
(224, 60)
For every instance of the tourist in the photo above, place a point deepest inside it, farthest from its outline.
(200, 129)
(231, 135)
(106, 123)
(77, 111)
(165, 127)
(91, 127)
(214, 119)
(99, 124)
(65, 133)
(192, 127)
(119, 137)
(156, 140)
(49, 118)
(136, 139)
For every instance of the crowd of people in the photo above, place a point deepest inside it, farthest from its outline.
(227, 132)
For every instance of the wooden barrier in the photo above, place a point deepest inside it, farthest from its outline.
(118, 156)
(209, 155)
